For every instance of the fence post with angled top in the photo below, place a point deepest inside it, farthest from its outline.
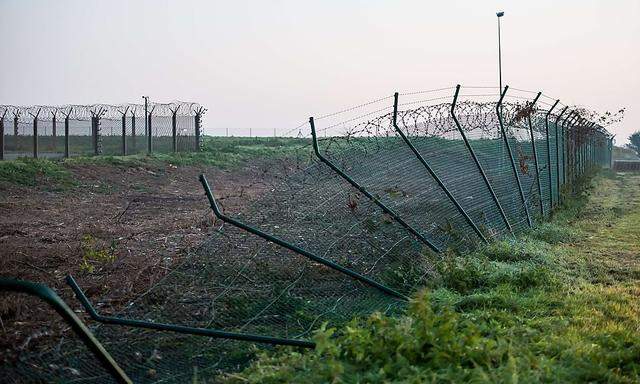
(513, 161)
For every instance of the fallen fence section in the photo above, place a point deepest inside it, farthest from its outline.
(47, 295)
(353, 220)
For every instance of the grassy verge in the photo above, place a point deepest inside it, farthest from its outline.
(36, 172)
(223, 152)
(558, 304)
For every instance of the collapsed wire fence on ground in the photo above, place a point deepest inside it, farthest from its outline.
(355, 221)
(99, 129)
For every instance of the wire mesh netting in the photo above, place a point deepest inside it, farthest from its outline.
(377, 190)
(45, 356)
(135, 134)
(18, 135)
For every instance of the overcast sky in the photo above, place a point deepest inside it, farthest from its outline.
(271, 64)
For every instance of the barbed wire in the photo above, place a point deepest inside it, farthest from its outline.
(107, 111)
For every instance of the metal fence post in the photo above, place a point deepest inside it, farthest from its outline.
(214, 333)
(54, 129)
(557, 148)
(477, 161)
(318, 259)
(97, 137)
(567, 143)
(174, 129)
(66, 132)
(198, 123)
(432, 172)
(146, 122)
(535, 152)
(47, 295)
(94, 135)
(513, 161)
(124, 130)
(592, 152)
(35, 133)
(149, 131)
(546, 127)
(582, 145)
(16, 115)
(362, 190)
(2, 134)
(133, 128)
(574, 149)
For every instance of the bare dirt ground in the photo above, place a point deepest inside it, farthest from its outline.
(117, 232)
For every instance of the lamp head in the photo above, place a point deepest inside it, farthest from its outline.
(500, 14)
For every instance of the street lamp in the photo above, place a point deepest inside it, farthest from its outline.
(499, 14)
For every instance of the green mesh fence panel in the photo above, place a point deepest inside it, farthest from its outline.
(44, 356)
(80, 138)
(111, 136)
(136, 137)
(186, 132)
(433, 132)
(19, 135)
(480, 120)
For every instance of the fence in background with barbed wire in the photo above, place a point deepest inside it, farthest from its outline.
(99, 129)
(355, 220)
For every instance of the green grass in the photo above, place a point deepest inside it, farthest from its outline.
(35, 172)
(222, 152)
(556, 304)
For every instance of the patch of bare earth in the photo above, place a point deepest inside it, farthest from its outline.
(117, 232)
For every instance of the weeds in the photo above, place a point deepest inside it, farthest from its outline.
(94, 253)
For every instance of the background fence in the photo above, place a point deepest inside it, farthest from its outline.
(626, 165)
(100, 129)
(354, 222)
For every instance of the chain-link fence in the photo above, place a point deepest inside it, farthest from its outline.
(355, 221)
(80, 130)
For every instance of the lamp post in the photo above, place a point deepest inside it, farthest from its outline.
(499, 14)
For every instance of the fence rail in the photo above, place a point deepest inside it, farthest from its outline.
(99, 129)
(49, 296)
(353, 222)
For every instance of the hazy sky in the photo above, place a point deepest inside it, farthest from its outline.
(271, 64)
